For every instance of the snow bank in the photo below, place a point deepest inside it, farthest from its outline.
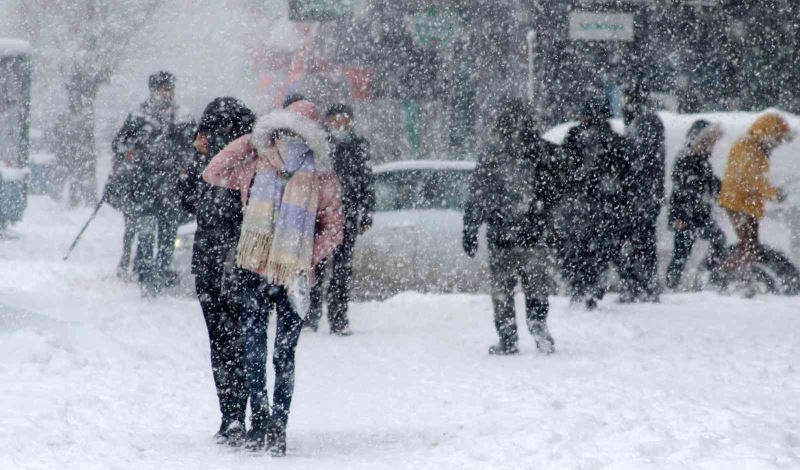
(425, 165)
(10, 46)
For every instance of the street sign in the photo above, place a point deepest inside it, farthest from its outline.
(600, 26)
(319, 10)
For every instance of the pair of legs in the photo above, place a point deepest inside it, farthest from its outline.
(223, 321)
(528, 266)
(739, 262)
(341, 263)
(640, 266)
(684, 241)
(154, 249)
(257, 299)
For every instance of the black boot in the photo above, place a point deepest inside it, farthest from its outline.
(276, 440)
(254, 440)
(504, 348)
(230, 432)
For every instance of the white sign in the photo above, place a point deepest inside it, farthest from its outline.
(600, 26)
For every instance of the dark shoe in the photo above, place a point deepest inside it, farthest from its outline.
(230, 433)
(346, 331)
(312, 326)
(591, 304)
(503, 348)
(254, 440)
(544, 341)
(276, 441)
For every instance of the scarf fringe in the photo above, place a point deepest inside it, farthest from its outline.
(249, 255)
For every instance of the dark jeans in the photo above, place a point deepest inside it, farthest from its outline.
(684, 241)
(167, 233)
(341, 262)
(509, 266)
(127, 242)
(155, 246)
(257, 299)
(223, 320)
(641, 262)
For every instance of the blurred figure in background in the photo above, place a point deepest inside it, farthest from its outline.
(350, 158)
(513, 190)
(694, 187)
(644, 132)
(591, 216)
(746, 188)
(218, 212)
(156, 141)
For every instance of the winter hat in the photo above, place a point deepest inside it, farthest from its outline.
(696, 129)
(770, 125)
(596, 109)
(305, 108)
(339, 108)
(292, 98)
(227, 112)
(159, 79)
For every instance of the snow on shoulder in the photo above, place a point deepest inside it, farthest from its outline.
(10, 46)
(425, 165)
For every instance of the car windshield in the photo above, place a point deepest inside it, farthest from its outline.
(421, 189)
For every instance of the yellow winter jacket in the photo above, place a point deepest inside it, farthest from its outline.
(745, 186)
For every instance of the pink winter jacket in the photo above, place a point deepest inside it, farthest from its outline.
(234, 167)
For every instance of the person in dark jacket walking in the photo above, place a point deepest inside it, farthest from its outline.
(513, 191)
(590, 216)
(156, 142)
(645, 134)
(218, 212)
(350, 157)
(694, 187)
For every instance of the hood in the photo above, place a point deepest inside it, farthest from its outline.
(770, 125)
(311, 132)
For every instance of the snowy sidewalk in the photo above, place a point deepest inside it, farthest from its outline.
(93, 377)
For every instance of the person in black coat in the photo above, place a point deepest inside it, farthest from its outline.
(155, 143)
(513, 190)
(350, 157)
(647, 154)
(694, 187)
(218, 212)
(591, 215)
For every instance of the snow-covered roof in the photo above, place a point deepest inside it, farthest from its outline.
(9, 46)
(425, 165)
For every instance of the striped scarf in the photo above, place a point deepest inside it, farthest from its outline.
(277, 238)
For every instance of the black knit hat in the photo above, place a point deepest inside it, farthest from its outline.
(159, 79)
(339, 108)
(696, 128)
(292, 98)
(227, 113)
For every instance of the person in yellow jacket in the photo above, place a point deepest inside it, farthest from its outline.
(746, 187)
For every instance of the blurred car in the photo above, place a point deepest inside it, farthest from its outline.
(415, 242)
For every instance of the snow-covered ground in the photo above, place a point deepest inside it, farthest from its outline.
(94, 377)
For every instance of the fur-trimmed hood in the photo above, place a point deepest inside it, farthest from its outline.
(311, 132)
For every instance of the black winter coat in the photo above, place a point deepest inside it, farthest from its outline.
(648, 162)
(694, 187)
(514, 189)
(148, 183)
(218, 212)
(350, 162)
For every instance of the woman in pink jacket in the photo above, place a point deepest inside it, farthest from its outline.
(292, 220)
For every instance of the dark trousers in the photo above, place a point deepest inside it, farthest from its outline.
(585, 255)
(257, 299)
(167, 233)
(684, 241)
(127, 242)
(341, 263)
(528, 266)
(223, 320)
(641, 261)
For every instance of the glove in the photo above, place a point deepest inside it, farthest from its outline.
(366, 224)
(470, 243)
